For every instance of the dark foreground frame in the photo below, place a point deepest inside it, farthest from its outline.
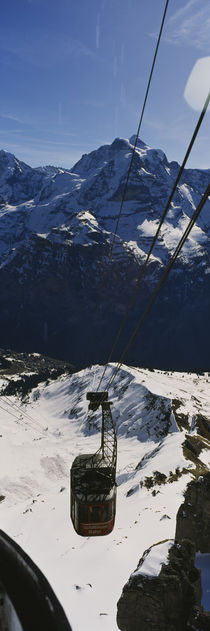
(32, 597)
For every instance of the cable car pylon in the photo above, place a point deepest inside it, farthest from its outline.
(93, 477)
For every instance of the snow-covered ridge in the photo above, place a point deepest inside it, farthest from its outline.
(154, 559)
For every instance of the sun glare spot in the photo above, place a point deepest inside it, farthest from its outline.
(198, 84)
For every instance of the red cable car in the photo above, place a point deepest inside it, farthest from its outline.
(93, 485)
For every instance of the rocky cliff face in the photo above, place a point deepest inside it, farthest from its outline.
(169, 601)
(18, 181)
(60, 293)
(199, 620)
(164, 592)
(193, 517)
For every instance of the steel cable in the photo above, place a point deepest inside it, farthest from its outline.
(139, 126)
(131, 162)
(161, 281)
(156, 235)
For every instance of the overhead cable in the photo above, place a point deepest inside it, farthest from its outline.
(22, 411)
(161, 281)
(8, 412)
(19, 419)
(132, 156)
(32, 423)
(139, 127)
(157, 233)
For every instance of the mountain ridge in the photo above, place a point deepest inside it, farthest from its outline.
(56, 229)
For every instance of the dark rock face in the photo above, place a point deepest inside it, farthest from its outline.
(193, 517)
(55, 302)
(199, 620)
(39, 368)
(164, 602)
(18, 181)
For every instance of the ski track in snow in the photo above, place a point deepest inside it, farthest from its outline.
(88, 574)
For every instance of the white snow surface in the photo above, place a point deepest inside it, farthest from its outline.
(39, 441)
(154, 559)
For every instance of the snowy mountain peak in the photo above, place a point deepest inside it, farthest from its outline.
(57, 225)
(120, 144)
(140, 143)
(9, 161)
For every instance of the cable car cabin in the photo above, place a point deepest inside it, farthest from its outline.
(93, 487)
(93, 496)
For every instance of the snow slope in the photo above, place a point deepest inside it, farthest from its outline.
(39, 440)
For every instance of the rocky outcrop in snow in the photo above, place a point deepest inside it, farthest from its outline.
(164, 593)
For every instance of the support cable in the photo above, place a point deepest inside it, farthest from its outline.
(139, 127)
(17, 408)
(20, 420)
(161, 281)
(32, 422)
(132, 156)
(8, 412)
(156, 234)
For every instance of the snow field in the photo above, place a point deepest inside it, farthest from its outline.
(88, 574)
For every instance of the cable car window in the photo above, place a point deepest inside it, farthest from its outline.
(83, 513)
(94, 514)
(106, 512)
(76, 510)
(73, 509)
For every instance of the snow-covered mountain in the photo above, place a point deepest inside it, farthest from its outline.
(42, 432)
(56, 230)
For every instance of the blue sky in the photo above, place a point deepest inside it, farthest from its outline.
(74, 75)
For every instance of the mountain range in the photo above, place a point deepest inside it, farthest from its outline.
(61, 292)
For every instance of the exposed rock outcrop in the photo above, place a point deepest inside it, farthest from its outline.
(199, 620)
(31, 369)
(170, 599)
(193, 517)
(167, 601)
